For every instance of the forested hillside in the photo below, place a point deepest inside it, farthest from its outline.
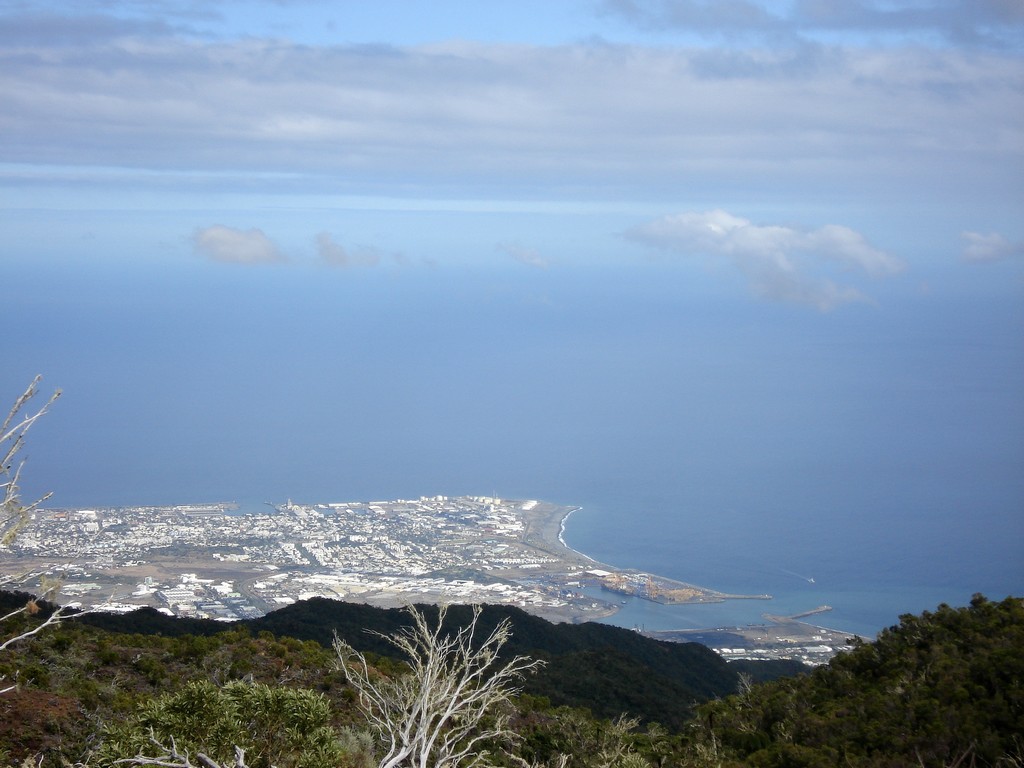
(940, 689)
(609, 670)
(944, 688)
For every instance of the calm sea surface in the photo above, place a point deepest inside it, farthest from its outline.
(868, 583)
(870, 459)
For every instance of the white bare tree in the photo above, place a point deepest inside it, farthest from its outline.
(451, 704)
(172, 757)
(13, 512)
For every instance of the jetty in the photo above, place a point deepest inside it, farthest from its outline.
(796, 616)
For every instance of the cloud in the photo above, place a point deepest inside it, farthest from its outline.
(996, 23)
(779, 263)
(850, 249)
(337, 255)
(236, 246)
(54, 29)
(980, 249)
(528, 256)
(973, 22)
(465, 120)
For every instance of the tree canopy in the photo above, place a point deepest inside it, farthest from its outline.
(936, 689)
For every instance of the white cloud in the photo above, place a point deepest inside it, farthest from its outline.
(472, 119)
(338, 256)
(849, 248)
(236, 246)
(981, 248)
(780, 263)
(528, 256)
(996, 23)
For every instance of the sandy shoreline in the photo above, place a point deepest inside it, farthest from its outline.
(561, 533)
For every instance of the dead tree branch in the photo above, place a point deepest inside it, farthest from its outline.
(450, 705)
(13, 429)
(14, 514)
(172, 758)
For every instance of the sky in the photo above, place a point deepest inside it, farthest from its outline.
(352, 249)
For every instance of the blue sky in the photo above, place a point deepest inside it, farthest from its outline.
(277, 248)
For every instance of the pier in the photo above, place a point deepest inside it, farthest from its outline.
(797, 616)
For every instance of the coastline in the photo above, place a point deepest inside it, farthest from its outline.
(546, 525)
(561, 533)
(800, 632)
(489, 550)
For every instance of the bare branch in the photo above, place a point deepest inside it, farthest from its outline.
(14, 514)
(59, 615)
(13, 429)
(452, 701)
(172, 758)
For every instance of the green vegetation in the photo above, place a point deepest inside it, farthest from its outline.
(940, 689)
(275, 725)
(608, 670)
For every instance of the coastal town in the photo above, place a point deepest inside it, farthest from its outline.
(227, 562)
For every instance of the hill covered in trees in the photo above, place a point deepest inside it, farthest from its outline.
(606, 669)
(944, 688)
(941, 689)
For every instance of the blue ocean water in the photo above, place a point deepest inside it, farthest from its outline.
(737, 445)
(868, 585)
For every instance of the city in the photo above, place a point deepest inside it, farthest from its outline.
(227, 562)
(218, 561)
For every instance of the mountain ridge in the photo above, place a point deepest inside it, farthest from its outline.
(606, 669)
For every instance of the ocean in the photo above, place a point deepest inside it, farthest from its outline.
(869, 459)
(867, 585)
